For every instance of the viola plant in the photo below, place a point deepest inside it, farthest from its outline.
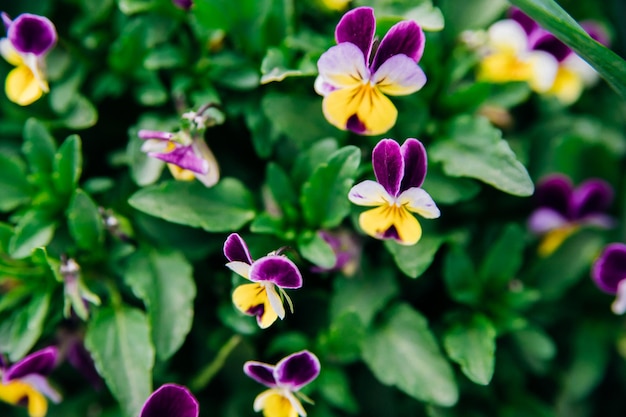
(270, 276)
(354, 77)
(29, 38)
(562, 209)
(396, 193)
(24, 383)
(284, 380)
(609, 274)
(171, 400)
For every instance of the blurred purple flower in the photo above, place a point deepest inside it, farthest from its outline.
(72, 348)
(170, 400)
(609, 274)
(183, 4)
(347, 248)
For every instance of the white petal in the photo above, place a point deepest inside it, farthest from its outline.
(343, 66)
(619, 305)
(578, 65)
(507, 35)
(369, 193)
(240, 268)
(275, 300)
(295, 403)
(419, 201)
(545, 67)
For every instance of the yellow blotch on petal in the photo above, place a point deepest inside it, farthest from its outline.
(377, 221)
(181, 174)
(276, 405)
(18, 393)
(22, 87)
(504, 67)
(555, 238)
(567, 87)
(248, 298)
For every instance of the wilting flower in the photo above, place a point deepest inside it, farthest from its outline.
(24, 382)
(347, 248)
(355, 77)
(29, 38)
(609, 274)
(284, 380)
(396, 193)
(563, 209)
(183, 4)
(170, 400)
(77, 295)
(270, 275)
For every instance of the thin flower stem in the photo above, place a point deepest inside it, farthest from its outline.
(205, 376)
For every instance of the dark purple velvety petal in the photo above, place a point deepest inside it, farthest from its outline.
(596, 31)
(357, 27)
(554, 191)
(549, 43)
(277, 269)
(297, 370)
(41, 362)
(388, 165)
(391, 233)
(171, 400)
(354, 124)
(406, 38)
(30, 33)
(235, 249)
(415, 164)
(524, 20)
(260, 372)
(183, 4)
(591, 197)
(81, 360)
(610, 268)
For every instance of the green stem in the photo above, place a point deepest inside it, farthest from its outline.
(203, 378)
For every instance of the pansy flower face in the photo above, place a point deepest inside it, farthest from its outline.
(609, 274)
(170, 400)
(354, 77)
(563, 209)
(24, 382)
(284, 380)
(29, 38)
(396, 193)
(270, 275)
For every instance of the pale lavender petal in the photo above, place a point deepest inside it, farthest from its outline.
(525, 21)
(31, 33)
(415, 164)
(40, 362)
(277, 269)
(554, 192)
(342, 65)
(321, 87)
(406, 38)
(596, 31)
(235, 249)
(369, 193)
(154, 134)
(603, 221)
(388, 165)
(6, 20)
(297, 370)
(171, 400)
(184, 157)
(549, 43)
(544, 219)
(357, 27)
(261, 372)
(591, 197)
(610, 268)
(399, 76)
(41, 384)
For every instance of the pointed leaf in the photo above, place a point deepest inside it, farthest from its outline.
(315, 249)
(19, 334)
(414, 260)
(39, 147)
(84, 221)
(68, 165)
(14, 187)
(34, 229)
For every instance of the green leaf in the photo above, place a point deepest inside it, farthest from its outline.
(19, 334)
(274, 67)
(536, 347)
(81, 113)
(448, 190)
(414, 260)
(324, 196)
(474, 148)
(281, 189)
(404, 353)
(226, 207)
(33, 229)
(460, 277)
(68, 165)
(504, 258)
(315, 249)
(556, 20)
(164, 281)
(473, 346)
(84, 221)
(143, 169)
(119, 342)
(342, 341)
(14, 187)
(39, 147)
(308, 160)
(335, 388)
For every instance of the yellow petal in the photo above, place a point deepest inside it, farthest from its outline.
(274, 404)
(376, 222)
(9, 53)
(22, 86)
(555, 238)
(17, 392)
(503, 67)
(249, 298)
(567, 87)
(181, 174)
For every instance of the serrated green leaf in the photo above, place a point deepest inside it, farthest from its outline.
(404, 353)
(84, 221)
(68, 165)
(119, 342)
(164, 281)
(324, 198)
(315, 249)
(414, 260)
(472, 345)
(39, 147)
(224, 208)
(19, 334)
(14, 187)
(34, 229)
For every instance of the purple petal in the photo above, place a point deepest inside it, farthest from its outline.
(184, 157)
(591, 197)
(597, 32)
(610, 268)
(544, 219)
(406, 38)
(356, 125)
(41, 362)
(357, 27)
(260, 372)
(81, 360)
(154, 134)
(388, 165)
(170, 400)
(41, 384)
(183, 4)
(524, 20)
(235, 249)
(31, 33)
(297, 370)
(6, 20)
(547, 42)
(415, 164)
(277, 269)
(555, 192)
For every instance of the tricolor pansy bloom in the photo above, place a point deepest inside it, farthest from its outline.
(396, 193)
(29, 38)
(562, 209)
(355, 77)
(284, 381)
(270, 276)
(170, 400)
(609, 274)
(24, 383)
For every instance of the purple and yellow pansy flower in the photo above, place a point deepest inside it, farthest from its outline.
(29, 38)
(396, 193)
(170, 400)
(24, 383)
(284, 381)
(355, 77)
(562, 209)
(609, 274)
(270, 275)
